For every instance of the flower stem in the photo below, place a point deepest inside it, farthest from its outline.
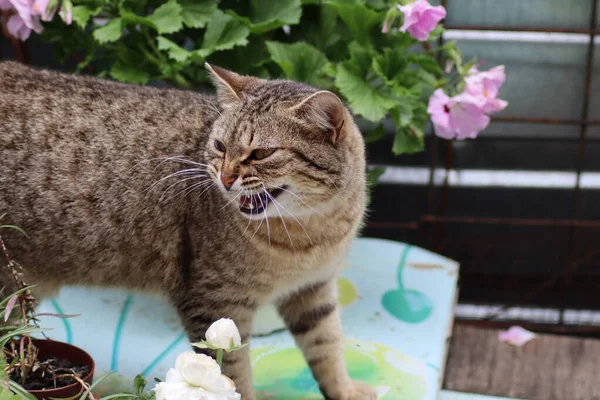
(220, 357)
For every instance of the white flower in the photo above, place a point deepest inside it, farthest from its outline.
(196, 377)
(224, 334)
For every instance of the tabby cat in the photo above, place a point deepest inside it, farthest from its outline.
(223, 203)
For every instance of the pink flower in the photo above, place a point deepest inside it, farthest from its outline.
(24, 21)
(17, 27)
(66, 15)
(487, 85)
(40, 7)
(420, 18)
(459, 117)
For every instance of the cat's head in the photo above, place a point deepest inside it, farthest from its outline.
(281, 148)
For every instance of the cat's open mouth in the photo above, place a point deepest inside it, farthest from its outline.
(256, 203)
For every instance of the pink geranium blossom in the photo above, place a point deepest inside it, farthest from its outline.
(458, 117)
(17, 27)
(27, 16)
(465, 115)
(40, 7)
(487, 85)
(420, 18)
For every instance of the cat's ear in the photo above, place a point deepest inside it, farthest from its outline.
(229, 84)
(324, 111)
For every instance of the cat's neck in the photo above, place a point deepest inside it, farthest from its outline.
(302, 233)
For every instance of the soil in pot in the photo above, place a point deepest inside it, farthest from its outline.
(58, 372)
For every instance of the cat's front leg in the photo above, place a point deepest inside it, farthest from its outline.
(312, 316)
(199, 311)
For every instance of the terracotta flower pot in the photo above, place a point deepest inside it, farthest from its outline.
(74, 354)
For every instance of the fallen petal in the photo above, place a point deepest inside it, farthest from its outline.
(516, 336)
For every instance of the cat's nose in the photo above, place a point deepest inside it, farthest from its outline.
(228, 180)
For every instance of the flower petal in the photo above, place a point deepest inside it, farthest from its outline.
(467, 120)
(224, 334)
(173, 376)
(516, 336)
(17, 28)
(420, 18)
(200, 374)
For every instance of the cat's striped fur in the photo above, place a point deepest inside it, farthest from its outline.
(125, 185)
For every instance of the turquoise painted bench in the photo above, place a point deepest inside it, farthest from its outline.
(397, 311)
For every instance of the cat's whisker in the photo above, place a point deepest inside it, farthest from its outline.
(182, 172)
(332, 181)
(258, 227)
(237, 194)
(177, 183)
(247, 226)
(178, 159)
(212, 185)
(164, 159)
(296, 219)
(264, 207)
(298, 197)
(191, 188)
(215, 108)
(280, 216)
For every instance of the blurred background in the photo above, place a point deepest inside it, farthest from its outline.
(518, 207)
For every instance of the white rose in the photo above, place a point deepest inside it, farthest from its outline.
(224, 334)
(196, 377)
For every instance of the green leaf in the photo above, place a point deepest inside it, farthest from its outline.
(82, 14)
(404, 112)
(175, 52)
(407, 141)
(358, 18)
(16, 228)
(267, 15)
(372, 102)
(427, 62)
(167, 18)
(129, 18)
(378, 4)
(373, 175)
(360, 59)
(409, 137)
(128, 73)
(139, 383)
(21, 394)
(330, 69)
(391, 64)
(110, 32)
(299, 61)
(223, 32)
(197, 13)
(245, 60)
(375, 134)
(93, 386)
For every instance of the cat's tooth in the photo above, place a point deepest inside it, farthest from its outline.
(251, 206)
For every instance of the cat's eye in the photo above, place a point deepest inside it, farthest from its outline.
(219, 146)
(261, 154)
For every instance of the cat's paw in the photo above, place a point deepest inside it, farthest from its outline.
(361, 391)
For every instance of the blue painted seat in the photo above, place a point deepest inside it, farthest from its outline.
(397, 309)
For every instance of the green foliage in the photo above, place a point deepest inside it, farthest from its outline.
(332, 44)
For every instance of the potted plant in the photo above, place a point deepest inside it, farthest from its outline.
(31, 367)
